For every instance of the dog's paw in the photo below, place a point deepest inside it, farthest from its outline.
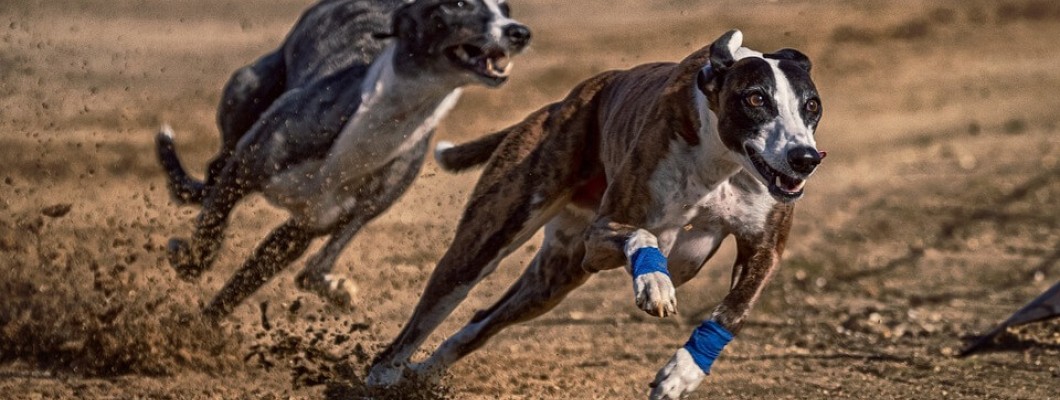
(655, 294)
(336, 289)
(182, 260)
(383, 376)
(677, 378)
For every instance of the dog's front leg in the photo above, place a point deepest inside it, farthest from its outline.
(757, 258)
(612, 244)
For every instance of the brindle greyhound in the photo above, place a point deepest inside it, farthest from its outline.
(334, 127)
(665, 158)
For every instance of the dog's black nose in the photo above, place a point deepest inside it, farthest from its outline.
(803, 159)
(518, 35)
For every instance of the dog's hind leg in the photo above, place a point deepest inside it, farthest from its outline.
(182, 187)
(520, 190)
(555, 271)
(489, 231)
(285, 244)
(249, 92)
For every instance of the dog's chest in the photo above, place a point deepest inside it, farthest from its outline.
(685, 200)
(389, 122)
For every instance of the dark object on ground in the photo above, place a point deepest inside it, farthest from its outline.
(1043, 307)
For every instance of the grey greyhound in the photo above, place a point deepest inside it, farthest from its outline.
(334, 126)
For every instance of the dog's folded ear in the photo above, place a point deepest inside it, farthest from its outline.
(723, 50)
(792, 55)
(722, 56)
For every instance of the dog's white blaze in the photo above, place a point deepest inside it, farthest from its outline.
(789, 130)
(396, 112)
(499, 20)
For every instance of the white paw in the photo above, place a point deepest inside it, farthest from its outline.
(677, 378)
(336, 289)
(655, 294)
(381, 376)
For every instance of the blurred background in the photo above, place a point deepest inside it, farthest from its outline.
(933, 218)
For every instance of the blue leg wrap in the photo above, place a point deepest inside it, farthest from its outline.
(706, 343)
(648, 259)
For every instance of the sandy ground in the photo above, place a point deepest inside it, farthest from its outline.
(934, 216)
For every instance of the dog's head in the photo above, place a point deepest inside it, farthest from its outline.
(466, 40)
(767, 109)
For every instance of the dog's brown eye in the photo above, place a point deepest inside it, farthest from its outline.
(813, 106)
(755, 100)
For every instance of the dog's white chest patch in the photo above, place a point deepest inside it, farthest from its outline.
(698, 189)
(395, 114)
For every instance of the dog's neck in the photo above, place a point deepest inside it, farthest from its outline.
(385, 84)
(396, 112)
(713, 163)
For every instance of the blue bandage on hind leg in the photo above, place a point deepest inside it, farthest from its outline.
(706, 343)
(648, 259)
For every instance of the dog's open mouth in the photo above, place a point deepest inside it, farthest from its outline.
(781, 186)
(494, 64)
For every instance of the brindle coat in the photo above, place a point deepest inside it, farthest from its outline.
(626, 154)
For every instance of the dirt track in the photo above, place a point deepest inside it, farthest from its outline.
(934, 216)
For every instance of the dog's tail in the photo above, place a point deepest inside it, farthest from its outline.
(182, 187)
(457, 158)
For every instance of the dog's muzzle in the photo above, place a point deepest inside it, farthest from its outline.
(490, 59)
(784, 186)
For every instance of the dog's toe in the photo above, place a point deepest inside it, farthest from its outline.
(336, 289)
(181, 259)
(680, 376)
(655, 294)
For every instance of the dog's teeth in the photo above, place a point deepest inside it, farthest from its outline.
(501, 63)
(499, 66)
(799, 186)
(461, 54)
(777, 182)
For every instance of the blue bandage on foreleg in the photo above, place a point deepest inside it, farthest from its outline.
(646, 260)
(706, 343)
